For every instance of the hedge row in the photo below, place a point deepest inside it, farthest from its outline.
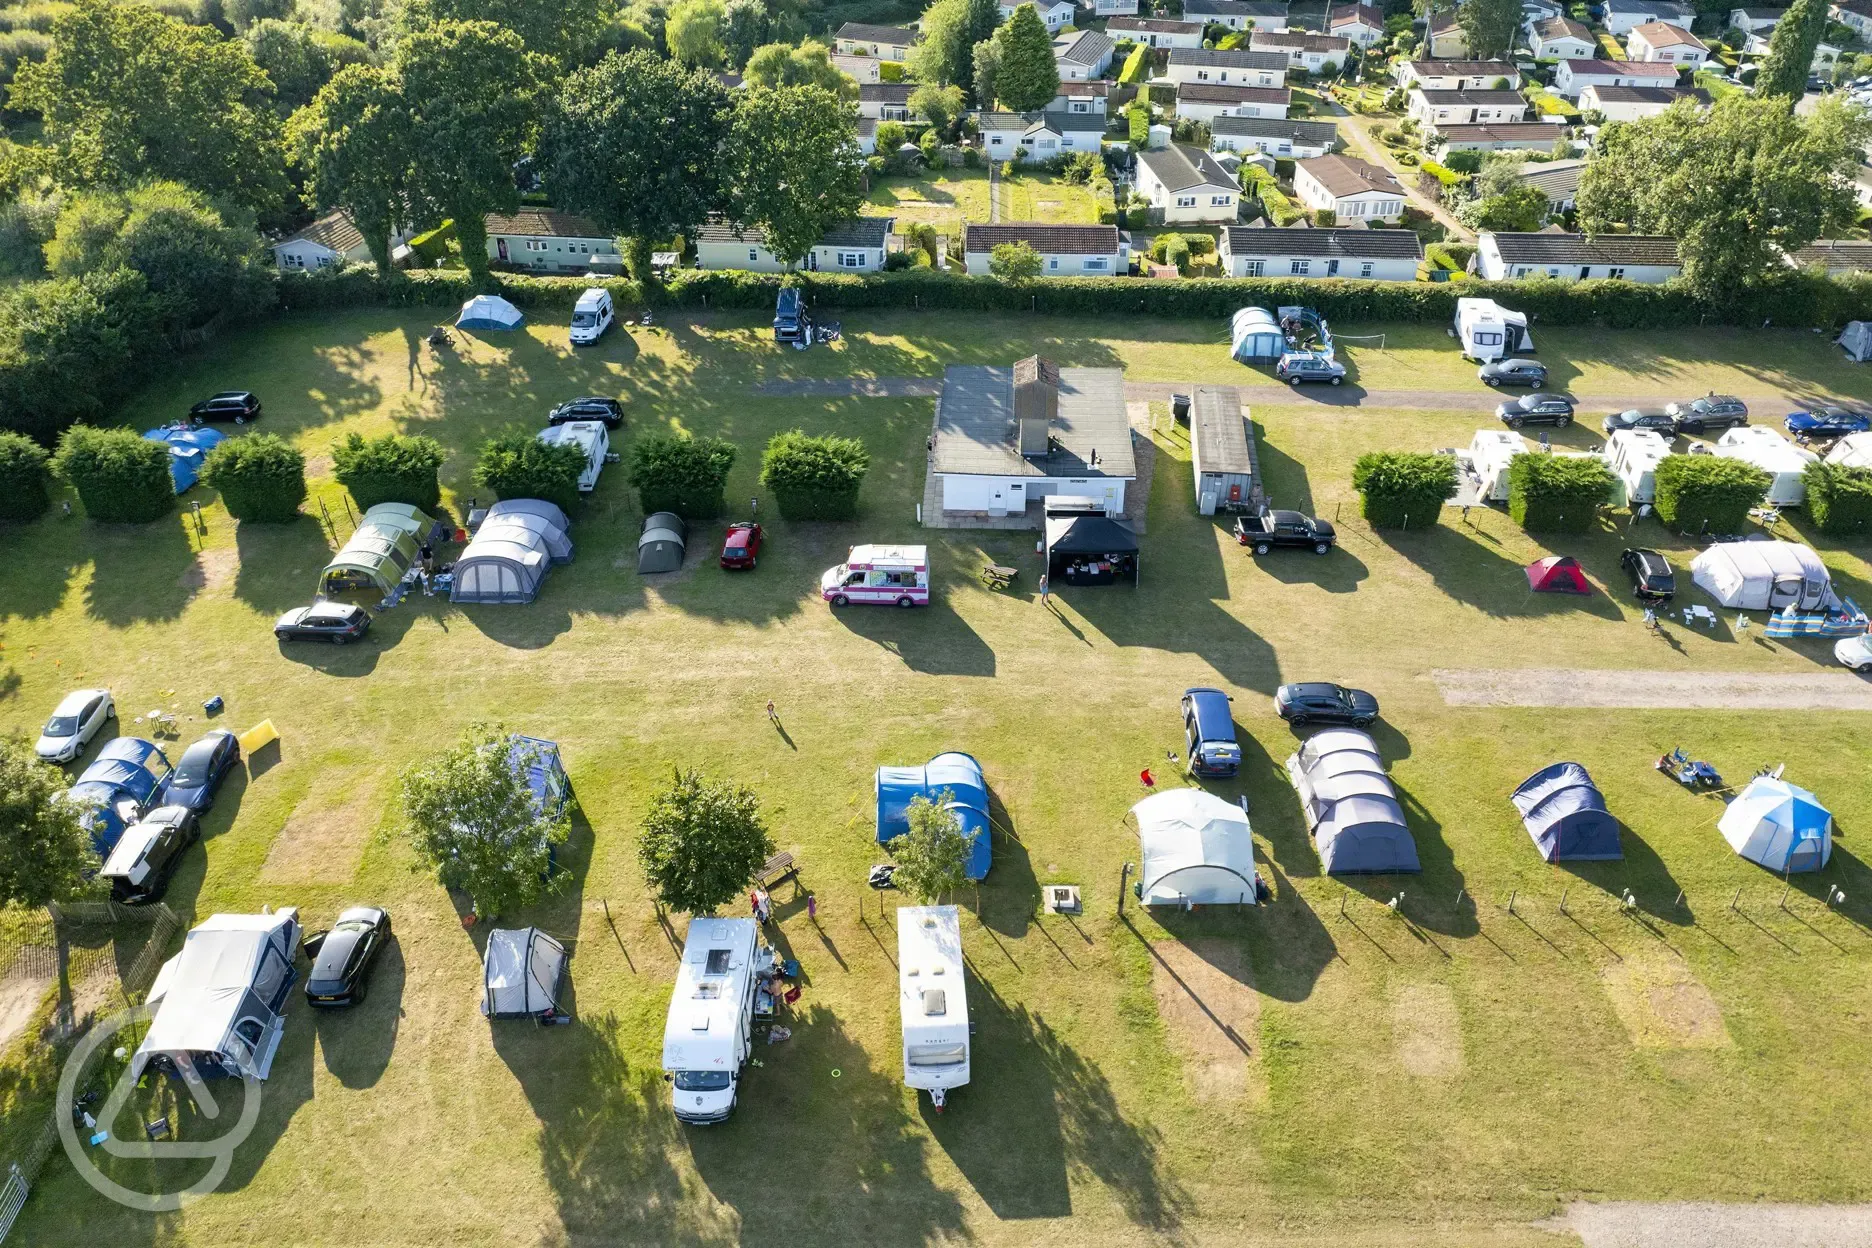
(1556, 493)
(1403, 489)
(1708, 493)
(1839, 498)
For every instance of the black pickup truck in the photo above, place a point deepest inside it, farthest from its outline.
(1268, 529)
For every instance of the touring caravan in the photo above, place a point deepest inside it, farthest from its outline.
(709, 1035)
(220, 1004)
(591, 316)
(590, 438)
(1765, 448)
(1489, 331)
(1633, 456)
(893, 574)
(1489, 453)
(932, 1000)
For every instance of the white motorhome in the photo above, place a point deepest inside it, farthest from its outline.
(1489, 331)
(590, 437)
(1489, 453)
(1633, 456)
(888, 574)
(709, 1036)
(932, 1000)
(591, 316)
(1765, 448)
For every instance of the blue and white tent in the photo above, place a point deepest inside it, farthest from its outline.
(489, 312)
(1779, 825)
(117, 783)
(188, 448)
(1255, 337)
(1566, 815)
(960, 777)
(545, 772)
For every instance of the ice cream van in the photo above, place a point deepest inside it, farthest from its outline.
(893, 574)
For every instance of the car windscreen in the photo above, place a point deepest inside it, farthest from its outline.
(702, 1080)
(192, 771)
(584, 318)
(61, 726)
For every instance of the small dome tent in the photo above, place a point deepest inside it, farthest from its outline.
(1197, 849)
(1779, 825)
(664, 540)
(953, 773)
(1566, 815)
(1856, 340)
(489, 312)
(1557, 574)
(1357, 822)
(188, 449)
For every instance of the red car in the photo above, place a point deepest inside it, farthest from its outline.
(742, 546)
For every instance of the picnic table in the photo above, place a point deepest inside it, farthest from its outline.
(777, 868)
(998, 576)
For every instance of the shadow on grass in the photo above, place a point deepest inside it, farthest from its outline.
(43, 558)
(1467, 569)
(933, 639)
(357, 1041)
(1010, 897)
(140, 572)
(1431, 893)
(280, 564)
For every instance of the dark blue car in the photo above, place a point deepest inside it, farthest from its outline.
(199, 772)
(1209, 724)
(1827, 422)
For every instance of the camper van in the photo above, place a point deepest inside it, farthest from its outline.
(1785, 463)
(220, 1004)
(1489, 453)
(1489, 331)
(591, 316)
(709, 1034)
(932, 1000)
(591, 439)
(893, 574)
(1633, 456)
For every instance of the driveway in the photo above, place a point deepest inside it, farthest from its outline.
(1641, 690)
(1480, 399)
(1372, 150)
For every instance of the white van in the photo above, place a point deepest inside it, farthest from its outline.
(591, 438)
(591, 316)
(709, 1034)
(889, 574)
(932, 1000)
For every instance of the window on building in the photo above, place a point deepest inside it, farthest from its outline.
(536, 244)
(1221, 201)
(1615, 273)
(1186, 201)
(851, 260)
(1300, 267)
(1553, 272)
(1202, 75)
(1080, 106)
(994, 140)
(1365, 269)
(1095, 264)
(1052, 262)
(753, 254)
(1332, 268)
(1521, 271)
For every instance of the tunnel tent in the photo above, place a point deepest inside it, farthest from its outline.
(409, 519)
(1779, 825)
(1357, 822)
(522, 973)
(538, 516)
(954, 774)
(382, 548)
(489, 312)
(1566, 815)
(188, 450)
(1196, 849)
(1763, 576)
(664, 541)
(504, 564)
(1255, 337)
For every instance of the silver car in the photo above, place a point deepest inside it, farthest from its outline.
(78, 719)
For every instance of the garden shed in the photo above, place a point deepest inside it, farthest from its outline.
(1255, 337)
(522, 972)
(379, 551)
(1566, 815)
(508, 558)
(1196, 850)
(662, 545)
(1222, 451)
(1356, 819)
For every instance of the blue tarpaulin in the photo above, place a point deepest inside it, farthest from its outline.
(121, 778)
(953, 778)
(1566, 815)
(188, 447)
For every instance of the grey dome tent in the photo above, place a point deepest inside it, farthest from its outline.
(660, 549)
(521, 974)
(1856, 340)
(1255, 337)
(538, 516)
(509, 557)
(1357, 823)
(1566, 815)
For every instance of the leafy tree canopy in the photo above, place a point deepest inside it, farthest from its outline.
(793, 166)
(702, 841)
(357, 145)
(932, 857)
(1027, 77)
(1791, 48)
(1017, 262)
(694, 32)
(808, 65)
(45, 848)
(1489, 27)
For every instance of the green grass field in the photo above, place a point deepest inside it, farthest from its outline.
(961, 195)
(1445, 1077)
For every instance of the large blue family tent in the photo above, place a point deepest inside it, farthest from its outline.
(489, 312)
(116, 785)
(954, 774)
(188, 449)
(1566, 815)
(1779, 825)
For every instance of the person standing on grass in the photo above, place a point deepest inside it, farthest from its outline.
(1044, 601)
(773, 716)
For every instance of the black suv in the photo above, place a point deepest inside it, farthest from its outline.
(1537, 409)
(608, 410)
(1268, 529)
(1656, 419)
(239, 406)
(1651, 575)
(1321, 703)
(336, 622)
(1531, 373)
(1711, 413)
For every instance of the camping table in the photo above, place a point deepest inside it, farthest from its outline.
(998, 576)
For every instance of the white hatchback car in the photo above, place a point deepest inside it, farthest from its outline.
(78, 719)
(1854, 652)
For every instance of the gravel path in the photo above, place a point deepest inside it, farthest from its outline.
(852, 387)
(1373, 151)
(1696, 1225)
(1568, 687)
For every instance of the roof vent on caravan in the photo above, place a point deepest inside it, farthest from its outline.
(935, 1003)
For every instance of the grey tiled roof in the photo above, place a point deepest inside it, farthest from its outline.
(1066, 240)
(1240, 240)
(1312, 133)
(1547, 248)
(1180, 167)
(976, 432)
(1233, 58)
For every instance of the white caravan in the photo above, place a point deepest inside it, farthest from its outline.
(1489, 453)
(709, 1034)
(1633, 456)
(591, 316)
(932, 1000)
(590, 438)
(1765, 448)
(1489, 331)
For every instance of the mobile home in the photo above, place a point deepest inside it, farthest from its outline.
(891, 574)
(590, 438)
(932, 1000)
(1489, 453)
(1784, 462)
(709, 1035)
(1489, 331)
(1633, 456)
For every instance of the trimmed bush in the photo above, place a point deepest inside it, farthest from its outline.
(433, 245)
(814, 478)
(393, 468)
(1707, 493)
(1839, 498)
(121, 477)
(679, 474)
(1448, 177)
(1458, 162)
(1137, 66)
(1556, 493)
(517, 464)
(25, 478)
(1403, 489)
(260, 477)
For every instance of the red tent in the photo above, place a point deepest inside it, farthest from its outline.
(1557, 574)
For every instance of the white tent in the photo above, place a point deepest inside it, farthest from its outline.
(1773, 454)
(1854, 450)
(1197, 849)
(1779, 825)
(521, 973)
(220, 1003)
(1763, 576)
(489, 312)
(1856, 340)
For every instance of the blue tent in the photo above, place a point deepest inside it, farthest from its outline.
(954, 773)
(489, 312)
(1566, 815)
(545, 772)
(188, 448)
(121, 778)
(1779, 825)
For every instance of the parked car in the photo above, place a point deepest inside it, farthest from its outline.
(1321, 703)
(1298, 366)
(1827, 422)
(199, 772)
(1209, 726)
(1267, 529)
(741, 548)
(1536, 409)
(145, 857)
(78, 717)
(610, 411)
(239, 406)
(1529, 373)
(1710, 414)
(342, 957)
(1652, 577)
(1855, 652)
(1655, 419)
(336, 622)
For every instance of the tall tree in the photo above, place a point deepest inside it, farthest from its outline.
(983, 17)
(808, 65)
(793, 166)
(1489, 27)
(635, 143)
(45, 850)
(129, 94)
(1028, 76)
(702, 843)
(940, 106)
(196, 262)
(1738, 187)
(694, 31)
(1791, 49)
(944, 55)
(354, 141)
(469, 88)
(744, 28)
(562, 30)
(987, 65)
